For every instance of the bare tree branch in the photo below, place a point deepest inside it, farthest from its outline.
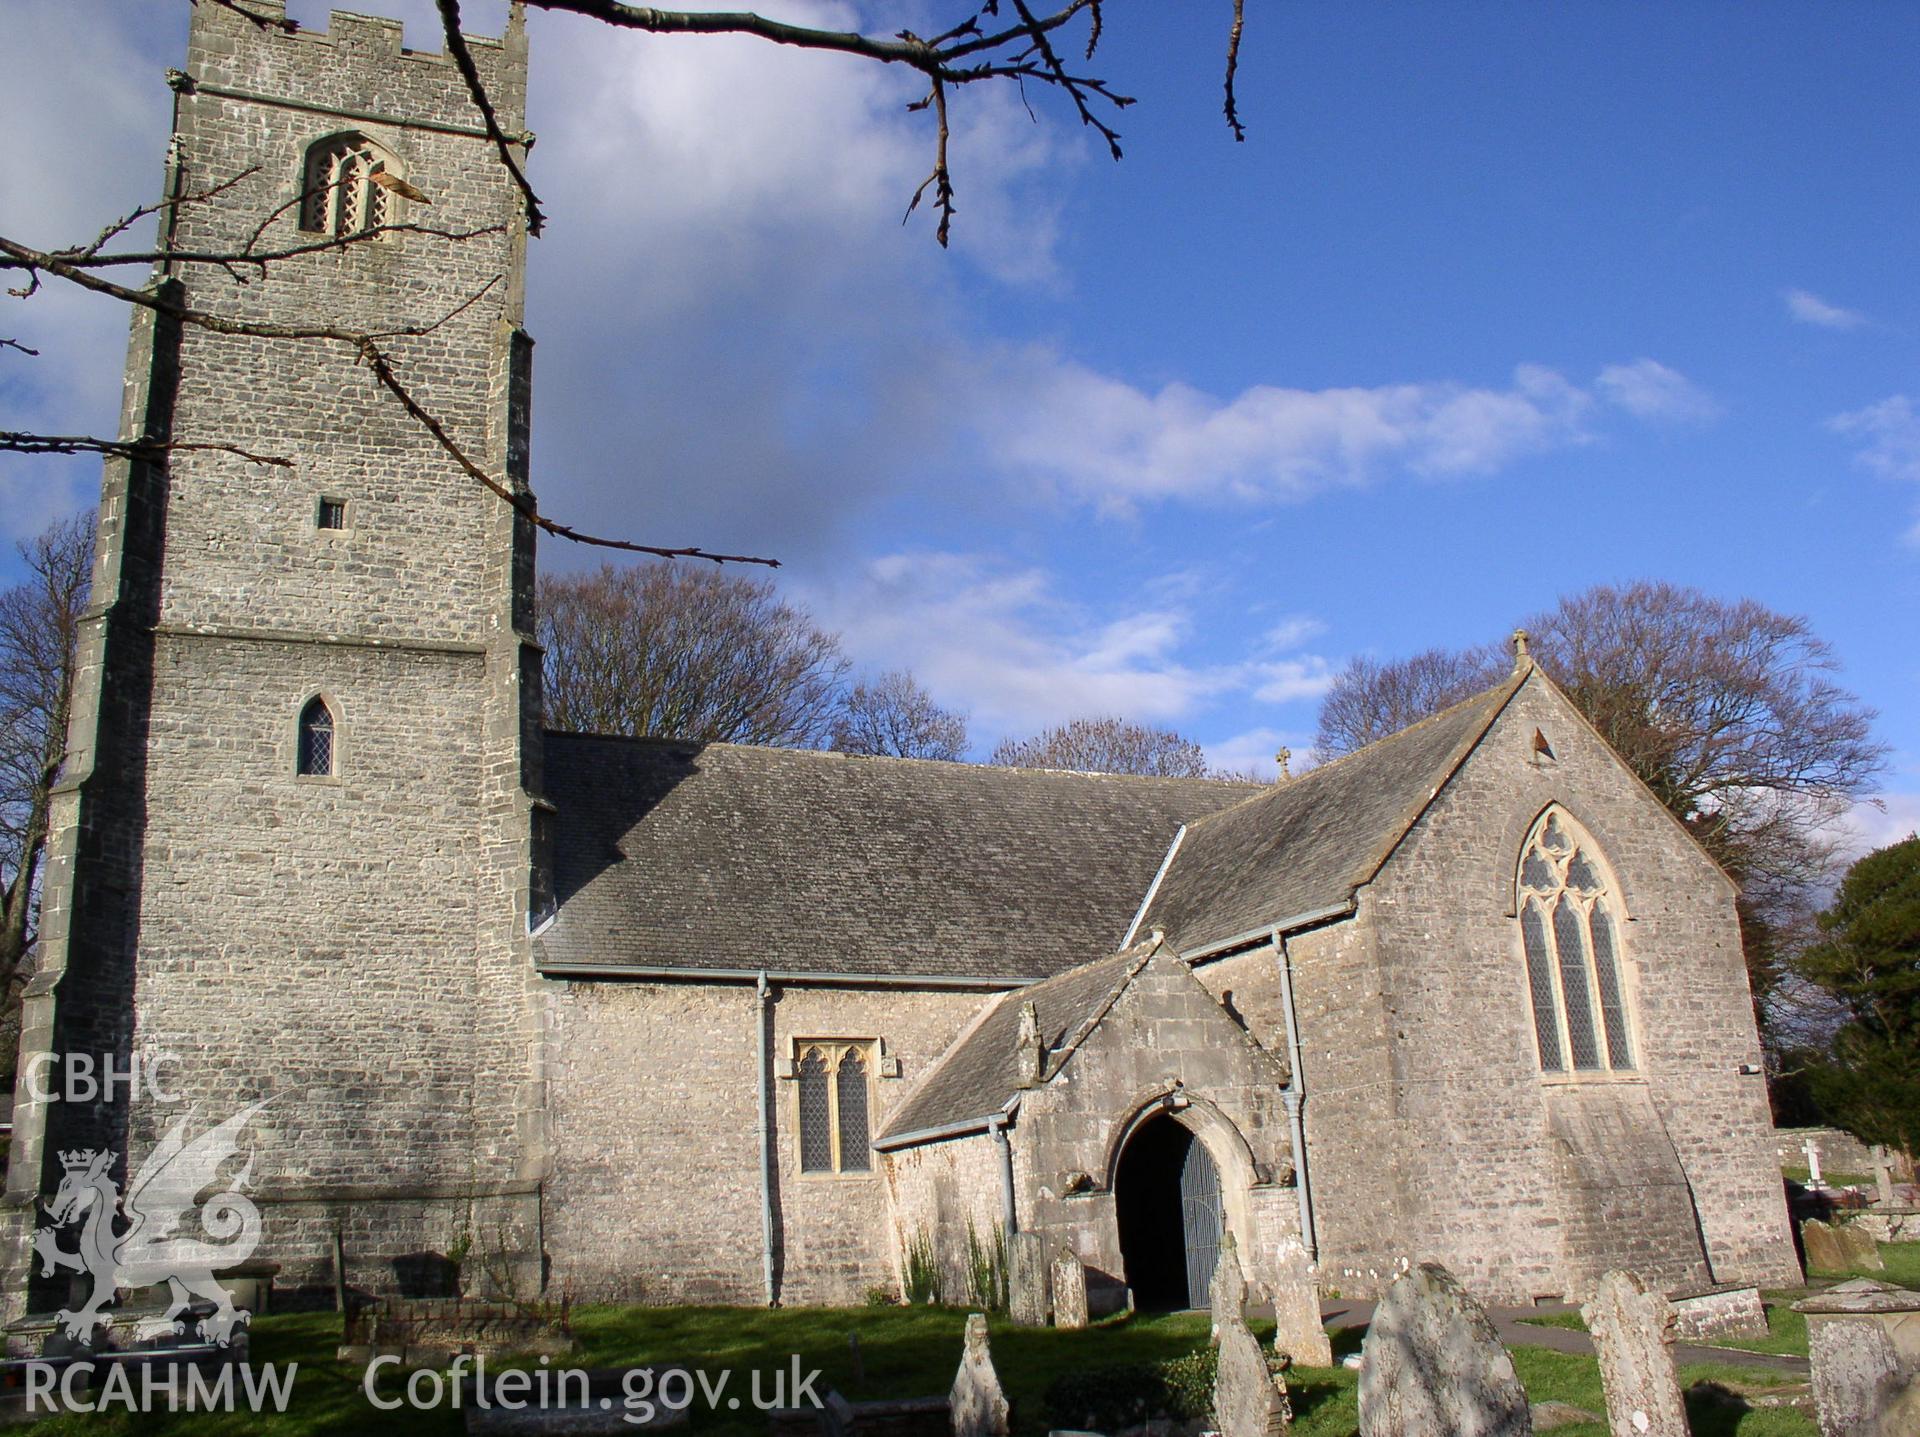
(125, 448)
(16, 344)
(367, 347)
(1233, 68)
(463, 59)
(265, 22)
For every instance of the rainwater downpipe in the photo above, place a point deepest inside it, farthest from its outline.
(1295, 1098)
(765, 1044)
(1009, 1217)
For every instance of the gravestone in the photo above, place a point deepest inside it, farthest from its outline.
(1863, 1337)
(1228, 1290)
(1433, 1364)
(1882, 1175)
(1822, 1245)
(1812, 1150)
(1857, 1248)
(976, 1405)
(1631, 1329)
(1249, 1400)
(1027, 1279)
(1069, 1290)
(1297, 1329)
(1860, 1387)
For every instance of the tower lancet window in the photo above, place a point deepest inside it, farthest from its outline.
(1569, 937)
(316, 740)
(344, 186)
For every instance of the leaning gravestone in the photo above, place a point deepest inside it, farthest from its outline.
(1631, 1329)
(1248, 1399)
(1297, 1329)
(1027, 1279)
(1069, 1290)
(1432, 1364)
(1882, 1175)
(1858, 1250)
(1822, 1246)
(1228, 1290)
(976, 1405)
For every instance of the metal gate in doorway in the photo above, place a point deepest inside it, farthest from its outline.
(1200, 1221)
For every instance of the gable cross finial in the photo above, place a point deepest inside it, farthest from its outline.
(1520, 656)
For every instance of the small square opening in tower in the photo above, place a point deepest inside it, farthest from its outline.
(332, 514)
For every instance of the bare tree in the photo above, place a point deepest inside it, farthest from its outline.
(1370, 700)
(39, 630)
(671, 652)
(893, 715)
(1106, 745)
(1727, 710)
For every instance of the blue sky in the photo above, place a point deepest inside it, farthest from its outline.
(1496, 301)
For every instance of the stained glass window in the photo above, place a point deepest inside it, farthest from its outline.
(1576, 975)
(1546, 1012)
(835, 1107)
(850, 1093)
(816, 1115)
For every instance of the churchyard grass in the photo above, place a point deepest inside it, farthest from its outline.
(904, 1352)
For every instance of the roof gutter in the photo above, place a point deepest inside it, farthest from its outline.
(658, 973)
(957, 1129)
(1267, 931)
(1153, 888)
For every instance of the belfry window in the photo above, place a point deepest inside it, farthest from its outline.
(834, 1106)
(340, 194)
(1569, 933)
(316, 740)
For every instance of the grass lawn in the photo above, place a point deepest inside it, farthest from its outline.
(904, 1353)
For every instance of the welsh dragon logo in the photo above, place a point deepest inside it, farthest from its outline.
(150, 1248)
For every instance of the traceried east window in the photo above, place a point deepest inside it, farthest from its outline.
(1569, 932)
(316, 739)
(344, 188)
(833, 1102)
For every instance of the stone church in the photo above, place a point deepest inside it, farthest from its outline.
(661, 1021)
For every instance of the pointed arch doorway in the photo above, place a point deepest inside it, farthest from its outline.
(1168, 1201)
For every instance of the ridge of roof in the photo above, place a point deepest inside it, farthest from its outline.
(972, 1078)
(1512, 681)
(835, 756)
(1307, 845)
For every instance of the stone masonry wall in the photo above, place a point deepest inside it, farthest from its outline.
(354, 947)
(1518, 1182)
(656, 1189)
(1165, 1028)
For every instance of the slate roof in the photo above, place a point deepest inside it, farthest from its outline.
(981, 1070)
(678, 855)
(1307, 844)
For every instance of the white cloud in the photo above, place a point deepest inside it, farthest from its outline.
(1000, 641)
(1100, 438)
(1888, 436)
(1809, 308)
(1293, 631)
(1887, 818)
(1648, 389)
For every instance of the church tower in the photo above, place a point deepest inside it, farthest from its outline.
(294, 845)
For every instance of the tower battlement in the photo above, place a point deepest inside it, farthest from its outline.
(359, 63)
